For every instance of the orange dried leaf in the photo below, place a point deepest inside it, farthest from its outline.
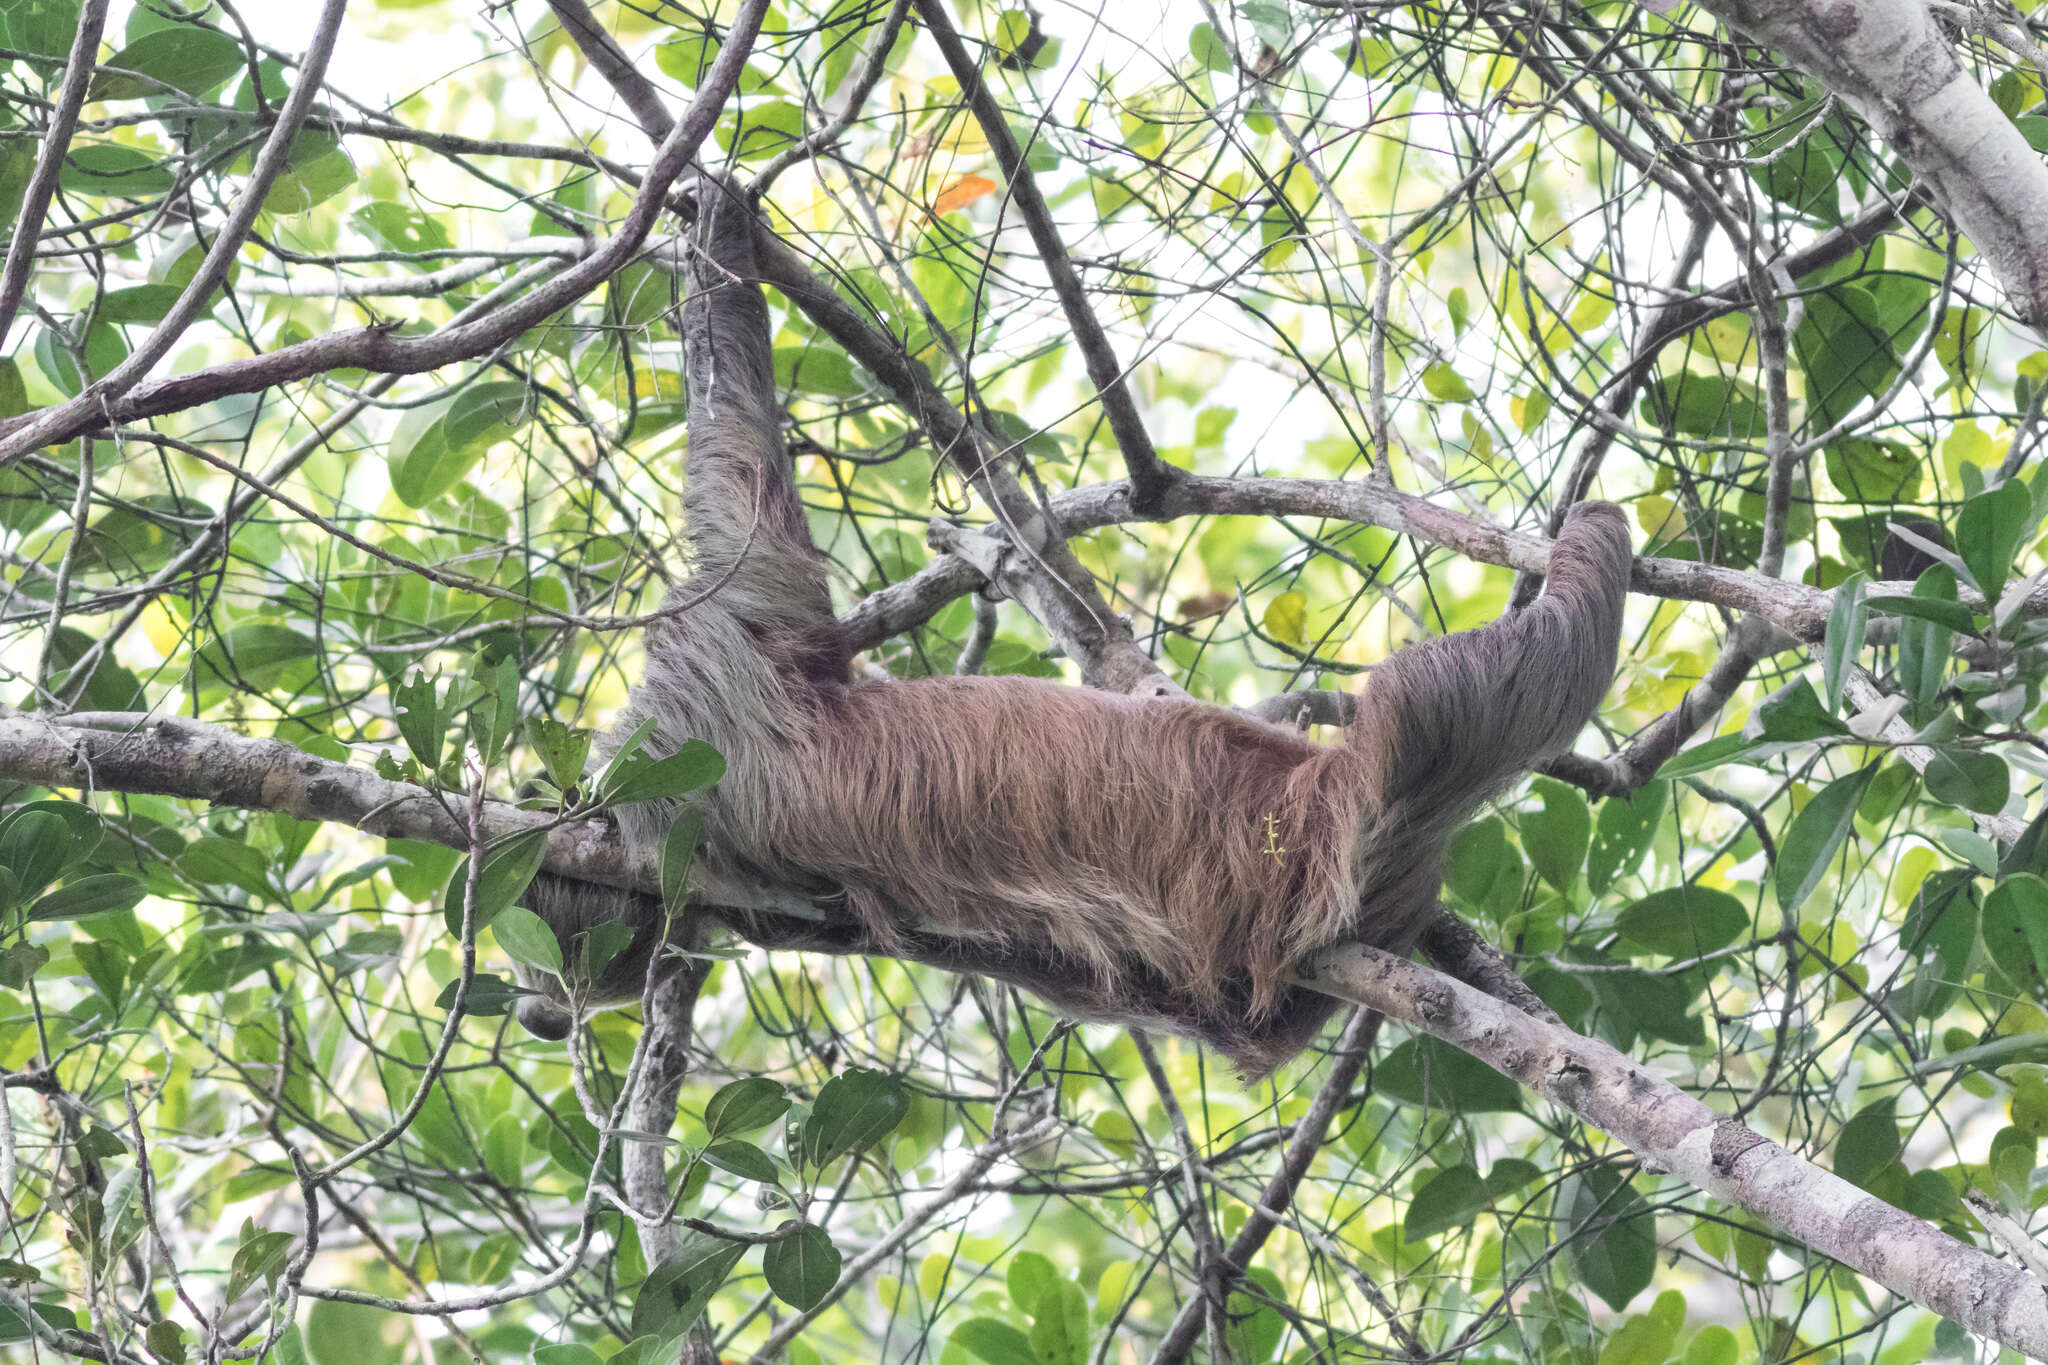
(961, 193)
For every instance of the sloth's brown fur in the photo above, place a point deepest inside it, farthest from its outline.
(1160, 863)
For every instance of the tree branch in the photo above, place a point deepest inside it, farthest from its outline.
(35, 201)
(1150, 476)
(1673, 1132)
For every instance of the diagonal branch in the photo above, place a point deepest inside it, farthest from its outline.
(1150, 476)
(610, 61)
(1673, 1132)
(377, 348)
(35, 203)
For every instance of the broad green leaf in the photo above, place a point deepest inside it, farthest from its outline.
(1253, 1325)
(416, 706)
(1816, 836)
(1427, 1072)
(185, 58)
(1609, 1235)
(994, 1342)
(509, 868)
(1863, 470)
(1989, 530)
(1446, 384)
(677, 1291)
(1622, 833)
(34, 846)
(1449, 1199)
(527, 939)
(678, 852)
(1974, 779)
(1555, 836)
(762, 130)
(112, 170)
(1868, 1143)
(83, 896)
(801, 1268)
(1684, 921)
(744, 1160)
(744, 1105)
(1028, 1277)
(505, 1149)
(854, 1110)
(1059, 1325)
(1923, 656)
(1953, 615)
(693, 766)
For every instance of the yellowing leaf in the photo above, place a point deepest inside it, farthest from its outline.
(961, 193)
(1286, 617)
(1659, 517)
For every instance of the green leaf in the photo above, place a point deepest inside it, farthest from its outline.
(1208, 49)
(35, 846)
(527, 939)
(1953, 615)
(1923, 656)
(416, 706)
(994, 1342)
(563, 751)
(802, 1268)
(744, 1105)
(254, 656)
(113, 170)
(1868, 1143)
(693, 766)
(854, 1110)
(505, 1148)
(1028, 1277)
(1847, 620)
(1428, 1072)
(166, 1341)
(1705, 405)
(2017, 906)
(434, 447)
(1972, 779)
(83, 896)
(1446, 384)
(1451, 1198)
(1684, 921)
(185, 58)
(1815, 837)
(44, 27)
(1059, 1325)
(509, 868)
(1864, 470)
(1622, 834)
(762, 130)
(678, 852)
(1253, 1325)
(1555, 837)
(677, 1291)
(744, 1160)
(1845, 350)
(1989, 531)
(261, 1256)
(1609, 1235)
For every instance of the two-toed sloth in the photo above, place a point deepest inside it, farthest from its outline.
(1160, 863)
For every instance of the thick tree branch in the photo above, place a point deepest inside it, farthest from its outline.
(1890, 62)
(1673, 1132)
(611, 62)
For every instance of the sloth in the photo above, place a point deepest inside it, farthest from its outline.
(1159, 863)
